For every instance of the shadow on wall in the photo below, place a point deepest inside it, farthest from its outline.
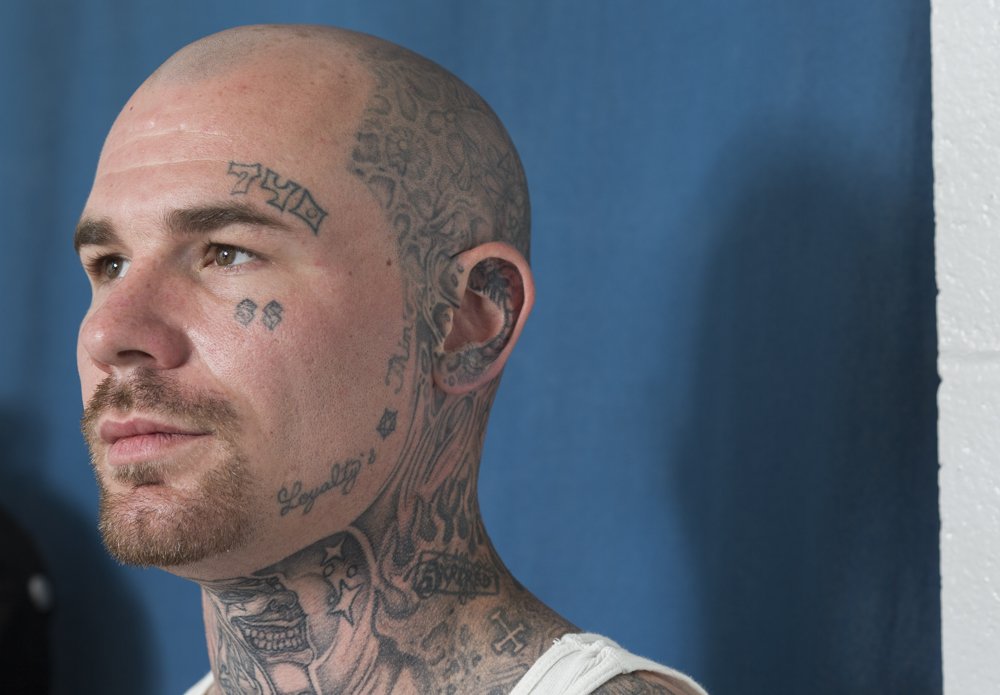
(807, 472)
(99, 637)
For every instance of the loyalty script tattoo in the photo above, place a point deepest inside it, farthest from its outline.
(246, 312)
(342, 475)
(284, 194)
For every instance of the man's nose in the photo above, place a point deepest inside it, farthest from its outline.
(139, 324)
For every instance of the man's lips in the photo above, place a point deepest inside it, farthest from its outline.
(142, 439)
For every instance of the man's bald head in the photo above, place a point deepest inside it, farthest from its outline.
(431, 150)
(423, 130)
(235, 49)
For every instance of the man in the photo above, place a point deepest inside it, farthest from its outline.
(308, 251)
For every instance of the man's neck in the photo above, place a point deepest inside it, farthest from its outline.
(319, 622)
(411, 597)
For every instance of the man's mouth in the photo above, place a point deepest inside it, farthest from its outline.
(143, 439)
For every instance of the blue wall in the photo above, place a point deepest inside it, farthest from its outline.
(716, 441)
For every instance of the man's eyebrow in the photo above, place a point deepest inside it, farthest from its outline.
(209, 218)
(189, 221)
(91, 232)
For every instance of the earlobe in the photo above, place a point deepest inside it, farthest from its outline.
(497, 292)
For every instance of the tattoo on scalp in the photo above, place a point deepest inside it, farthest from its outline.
(284, 194)
(438, 160)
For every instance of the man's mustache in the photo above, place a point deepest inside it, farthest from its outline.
(149, 391)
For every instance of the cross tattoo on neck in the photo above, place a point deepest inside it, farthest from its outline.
(510, 638)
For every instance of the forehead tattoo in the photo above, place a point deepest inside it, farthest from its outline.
(285, 194)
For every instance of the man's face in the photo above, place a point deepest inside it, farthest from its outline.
(246, 299)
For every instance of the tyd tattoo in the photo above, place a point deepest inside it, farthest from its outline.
(285, 194)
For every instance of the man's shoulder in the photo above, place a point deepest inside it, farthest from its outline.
(645, 683)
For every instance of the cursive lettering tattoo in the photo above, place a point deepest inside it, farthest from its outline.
(342, 475)
(245, 311)
(285, 194)
(399, 360)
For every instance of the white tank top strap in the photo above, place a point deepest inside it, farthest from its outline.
(202, 686)
(580, 664)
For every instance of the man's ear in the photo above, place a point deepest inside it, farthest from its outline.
(496, 292)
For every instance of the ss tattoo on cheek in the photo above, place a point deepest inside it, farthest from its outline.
(246, 312)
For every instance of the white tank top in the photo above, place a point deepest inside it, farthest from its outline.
(573, 665)
(580, 664)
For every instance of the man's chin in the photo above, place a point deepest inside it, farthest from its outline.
(148, 522)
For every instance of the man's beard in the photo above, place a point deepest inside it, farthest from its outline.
(181, 526)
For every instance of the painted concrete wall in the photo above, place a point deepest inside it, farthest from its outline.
(966, 88)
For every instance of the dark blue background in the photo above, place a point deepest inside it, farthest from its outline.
(716, 439)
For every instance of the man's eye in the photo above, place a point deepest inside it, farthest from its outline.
(232, 255)
(116, 267)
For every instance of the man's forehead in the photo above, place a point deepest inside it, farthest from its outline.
(265, 106)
